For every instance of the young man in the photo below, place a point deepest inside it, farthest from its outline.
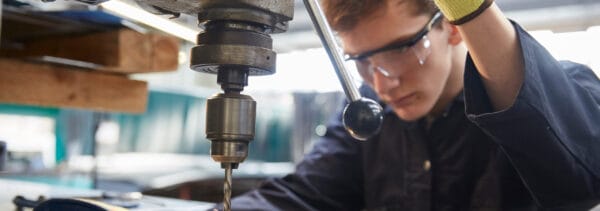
(503, 126)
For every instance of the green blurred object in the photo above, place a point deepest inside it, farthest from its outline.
(173, 123)
(71, 181)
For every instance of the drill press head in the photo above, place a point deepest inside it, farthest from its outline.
(236, 44)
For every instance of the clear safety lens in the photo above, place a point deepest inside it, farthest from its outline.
(394, 62)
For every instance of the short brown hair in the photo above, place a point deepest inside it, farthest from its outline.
(343, 15)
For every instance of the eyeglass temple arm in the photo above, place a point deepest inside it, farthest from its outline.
(362, 117)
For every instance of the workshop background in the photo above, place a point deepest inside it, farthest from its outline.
(102, 97)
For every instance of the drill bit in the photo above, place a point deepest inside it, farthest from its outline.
(227, 188)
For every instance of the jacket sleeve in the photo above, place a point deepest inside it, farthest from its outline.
(328, 178)
(551, 134)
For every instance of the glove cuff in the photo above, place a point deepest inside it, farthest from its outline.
(461, 11)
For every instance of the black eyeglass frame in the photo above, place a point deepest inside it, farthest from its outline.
(402, 45)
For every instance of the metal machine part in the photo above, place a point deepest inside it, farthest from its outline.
(235, 44)
(362, 116)
(227, 187)
(275, 13)
(230, 126)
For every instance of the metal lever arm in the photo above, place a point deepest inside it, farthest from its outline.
(328, 40)
(362, 116)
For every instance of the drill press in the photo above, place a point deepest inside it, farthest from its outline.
(235, 44)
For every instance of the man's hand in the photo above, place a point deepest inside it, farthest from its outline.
(462, 11)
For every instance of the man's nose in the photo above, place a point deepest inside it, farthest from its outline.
(383, 83)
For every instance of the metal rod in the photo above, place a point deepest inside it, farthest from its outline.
(97, 120)
(318, 18)
(227, 188)
(1, 19)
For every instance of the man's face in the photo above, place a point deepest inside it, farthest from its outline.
(405, 81)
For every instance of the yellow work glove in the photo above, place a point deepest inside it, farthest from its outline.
(462, 11)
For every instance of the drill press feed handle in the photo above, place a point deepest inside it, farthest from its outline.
(362, 116)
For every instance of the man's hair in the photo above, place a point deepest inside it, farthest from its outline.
(343, 15)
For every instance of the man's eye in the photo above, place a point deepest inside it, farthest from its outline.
(363, 62)
(399, 50)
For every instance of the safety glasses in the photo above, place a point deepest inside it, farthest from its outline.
(391, 59)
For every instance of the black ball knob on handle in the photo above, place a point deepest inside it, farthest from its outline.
(363, 118)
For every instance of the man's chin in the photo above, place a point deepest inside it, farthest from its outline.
(409, 115)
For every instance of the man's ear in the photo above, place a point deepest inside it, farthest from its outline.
(454, 37)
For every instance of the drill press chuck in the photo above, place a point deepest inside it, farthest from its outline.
(230, 124)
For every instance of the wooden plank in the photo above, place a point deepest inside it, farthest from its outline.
(120, 51)
(165, 52)
(56, 86)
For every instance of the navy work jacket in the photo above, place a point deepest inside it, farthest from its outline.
(543, 152)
